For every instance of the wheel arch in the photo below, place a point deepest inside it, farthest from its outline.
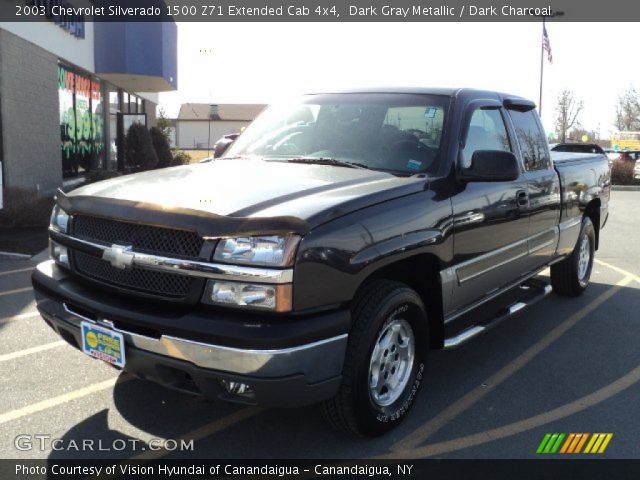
(592, 210)
(421, 272)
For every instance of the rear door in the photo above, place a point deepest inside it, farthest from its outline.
(491, 224)
(543, 186)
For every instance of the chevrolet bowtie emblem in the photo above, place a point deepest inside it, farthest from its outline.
(119, 256)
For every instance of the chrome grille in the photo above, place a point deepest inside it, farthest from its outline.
(135, 279)
(142, 238)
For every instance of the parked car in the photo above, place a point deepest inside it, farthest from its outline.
(320, 260)
(628, 155)
(636, 171)
(578, 148)
(223, 143)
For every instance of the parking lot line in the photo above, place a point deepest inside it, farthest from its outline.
(17, 290)
(473, 440)
(475, 395)
(618, 269)
(20, 316)
(61, 399)
(8, 272)
(204, 431)
(28, 351)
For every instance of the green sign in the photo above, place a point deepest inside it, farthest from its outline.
(81, 122)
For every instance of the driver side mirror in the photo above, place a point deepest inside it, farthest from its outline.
(491, 166)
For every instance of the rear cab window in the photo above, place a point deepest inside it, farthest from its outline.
(533, 144)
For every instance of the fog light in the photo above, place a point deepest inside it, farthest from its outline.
(249, 295)
(59, 253)
(237, 388)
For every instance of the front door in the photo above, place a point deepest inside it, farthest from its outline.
(543, 186)
(491, 220)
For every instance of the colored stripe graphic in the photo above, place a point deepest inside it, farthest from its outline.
(543, 443)
(598, 443)
(573, 443)
(583, 438)
(604, 445)
(551, 443)
(565, 447)
(594, 437)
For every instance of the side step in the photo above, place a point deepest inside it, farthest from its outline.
(532, 291)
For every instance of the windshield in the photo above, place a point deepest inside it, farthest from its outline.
(392, 132)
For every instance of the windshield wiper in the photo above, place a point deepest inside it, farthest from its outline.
(327, 161)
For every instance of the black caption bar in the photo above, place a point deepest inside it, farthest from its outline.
(318, 10)
(325, 469)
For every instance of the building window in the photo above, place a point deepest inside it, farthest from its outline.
(114, 103)
(81, 122)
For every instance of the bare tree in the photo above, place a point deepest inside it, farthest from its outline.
(567, 111)
(578, 132)
(628, 111)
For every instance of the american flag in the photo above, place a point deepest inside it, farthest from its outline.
(546, 45)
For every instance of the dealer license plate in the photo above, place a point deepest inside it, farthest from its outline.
(103, 344)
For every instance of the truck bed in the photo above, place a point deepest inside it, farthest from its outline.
(584, 177)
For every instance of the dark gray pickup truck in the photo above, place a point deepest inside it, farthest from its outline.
(336, 241)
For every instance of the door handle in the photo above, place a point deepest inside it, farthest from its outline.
(522, 197)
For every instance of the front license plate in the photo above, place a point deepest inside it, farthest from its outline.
(103, 344)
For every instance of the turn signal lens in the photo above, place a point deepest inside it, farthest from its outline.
(59, 253)
(249, 295)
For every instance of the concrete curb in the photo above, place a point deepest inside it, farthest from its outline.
(625, 188)
(14, 256)
(42, 256)
(39, 257)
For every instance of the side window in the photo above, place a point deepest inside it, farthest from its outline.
(533, 144)
(486, 132)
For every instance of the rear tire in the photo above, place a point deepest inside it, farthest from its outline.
(385, 360)
(570, 277)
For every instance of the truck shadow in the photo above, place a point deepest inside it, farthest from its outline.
(302, 433)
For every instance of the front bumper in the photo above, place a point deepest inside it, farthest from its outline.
(301, 366)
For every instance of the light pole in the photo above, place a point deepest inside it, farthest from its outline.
(212, 112)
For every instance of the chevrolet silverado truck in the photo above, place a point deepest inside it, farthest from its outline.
(338, 239)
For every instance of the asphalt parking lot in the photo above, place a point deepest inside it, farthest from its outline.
(564, 365)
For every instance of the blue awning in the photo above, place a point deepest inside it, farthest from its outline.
(137, 56)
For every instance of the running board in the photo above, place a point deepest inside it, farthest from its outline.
(533, 290)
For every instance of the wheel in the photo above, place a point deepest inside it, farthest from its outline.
(385, 360)
(570, 277)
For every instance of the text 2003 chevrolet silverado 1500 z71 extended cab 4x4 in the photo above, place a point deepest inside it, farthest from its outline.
(337, 240)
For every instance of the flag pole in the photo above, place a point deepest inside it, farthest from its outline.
(541, 68)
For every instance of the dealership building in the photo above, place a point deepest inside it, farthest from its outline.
(68, 93)
(200, 125)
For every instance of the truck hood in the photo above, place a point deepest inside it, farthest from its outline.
(256, 188)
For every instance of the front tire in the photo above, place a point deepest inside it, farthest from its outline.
(385, 360)
(570, 277)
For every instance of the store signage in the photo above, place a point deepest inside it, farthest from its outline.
(60, 12)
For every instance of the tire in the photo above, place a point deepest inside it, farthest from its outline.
(570, 277)
(389, 317)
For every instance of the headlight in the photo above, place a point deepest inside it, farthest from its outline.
(250, 295)
(268, 251)
(59, 220)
